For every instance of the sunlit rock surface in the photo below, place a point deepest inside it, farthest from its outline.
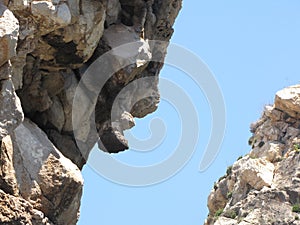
(45, 48)
(263, 187)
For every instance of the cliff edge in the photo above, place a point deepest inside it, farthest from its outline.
(263, 187)
(45, 48)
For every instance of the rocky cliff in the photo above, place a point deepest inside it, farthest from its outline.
(45, 48)
(263, 187)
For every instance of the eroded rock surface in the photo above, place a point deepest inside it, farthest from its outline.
(46, 47)
(263, 187)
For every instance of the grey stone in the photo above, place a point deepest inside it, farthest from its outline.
(264, 185)
(9, 31)
(288, 100)
(55, 114)
(57, 41)
(11, 114)
(48, 180)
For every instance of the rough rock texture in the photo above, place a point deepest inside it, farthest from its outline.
(263, 187)
(45, 48)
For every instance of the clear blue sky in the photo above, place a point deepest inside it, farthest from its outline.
(253, 49)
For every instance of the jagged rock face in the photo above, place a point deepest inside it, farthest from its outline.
(45, 48)
(264, 186)
(59, 39)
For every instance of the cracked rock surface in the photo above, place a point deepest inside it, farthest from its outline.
(46, 48)
(263, 187)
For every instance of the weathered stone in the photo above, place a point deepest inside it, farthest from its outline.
(48, 180)
(57, 41)
(55, 114)
(113, 141)
(42, 8)
(271, 151)
(225, 221)
(59, 14)
(257, 172)
(83, 25)
(9, 31)
(66, 97)
(53, 83)
(5, 71)
(127, 121)
(16, 211)
(288, 100)
(266, 182)
(68, 147)
(11, 114)
(118, 35)
(8, 181)
(112, 12)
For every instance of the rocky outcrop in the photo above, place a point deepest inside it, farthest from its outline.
(32, 169)
(46, 47)
(263, 187)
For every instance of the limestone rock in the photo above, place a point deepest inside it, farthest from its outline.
(112, 12)
(226, 221)
(11, 114)
(48, 180)
(59, 14)
(56, 115)
(288, 100)
(15, 211)
(271, 151)
(258, 173)
(264, 186)
(9, 31)
(45, 49)
(8, 181)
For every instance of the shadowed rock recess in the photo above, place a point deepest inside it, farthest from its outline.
(263, 187)
(45, 47)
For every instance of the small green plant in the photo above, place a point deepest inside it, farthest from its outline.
(251, 141)
(229, 170)
(260, 144)
(296, 217)
(229, 195)
(240, 157)
(221, 178)
(215, 186)
(297, 148)
(296, 208)
(253, 156)
(240, 219)
(219, 212)
(230, 214)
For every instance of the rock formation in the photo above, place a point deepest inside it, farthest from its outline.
(45, 48)
(263, 187)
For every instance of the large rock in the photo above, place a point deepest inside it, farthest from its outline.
(256, 172)
(11, 114)
(46, 179)
(50, 45)
(9, 30)
(288, 100)
(8, 180)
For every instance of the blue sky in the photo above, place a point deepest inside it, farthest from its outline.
(253, 50)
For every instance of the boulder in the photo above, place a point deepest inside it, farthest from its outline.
(288, 100)
(9, 31)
